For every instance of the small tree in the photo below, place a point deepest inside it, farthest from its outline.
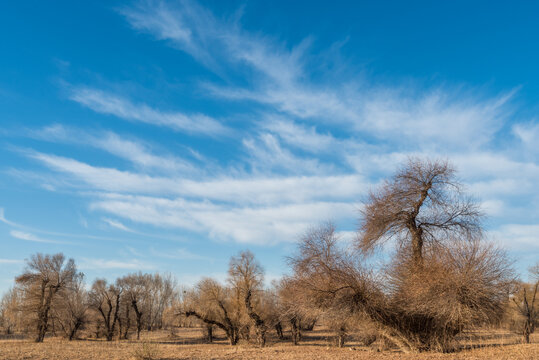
(136, 292)
(45, 278)
(213, 304)
(526, 307)
(105, 299)
(11, 317)
(71, 310)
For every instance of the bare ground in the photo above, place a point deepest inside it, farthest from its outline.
(187, 344)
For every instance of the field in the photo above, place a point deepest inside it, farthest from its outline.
(317, 344)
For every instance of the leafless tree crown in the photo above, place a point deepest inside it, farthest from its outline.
(421, 204)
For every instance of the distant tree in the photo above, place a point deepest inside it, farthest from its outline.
(136, 289)
(246, 276)
(421, 204)
(11, 317)
(45, 278)
(71, 310)
(526, 306)
(160, 295)
(214, 305)
(294, 309)
(105, 299)
(534, 272)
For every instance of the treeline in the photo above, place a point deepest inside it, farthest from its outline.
(51, 296)
(442, 279)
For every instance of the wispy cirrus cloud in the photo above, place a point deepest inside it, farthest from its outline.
(21, 235)
(99, 264)
(281, 80)
(116, 105)
(248, 189)
(117, 225)
(10, 261)
(134, 150)
(179, 254)
(262, 225)
(318, 141)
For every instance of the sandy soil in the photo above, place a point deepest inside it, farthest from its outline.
(187, 344)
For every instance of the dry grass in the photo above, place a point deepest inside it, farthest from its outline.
(187, 344)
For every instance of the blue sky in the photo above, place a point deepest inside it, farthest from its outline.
(167, 136)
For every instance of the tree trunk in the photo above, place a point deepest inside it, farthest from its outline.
(527, 332)
(209, 333)
(341, 337)
(295, 331)
(260, 326)
(279, 330)
(74, 330)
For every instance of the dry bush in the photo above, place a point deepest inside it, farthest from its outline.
(442, 279)
(11, 316)
(146, 351)
(214, 304)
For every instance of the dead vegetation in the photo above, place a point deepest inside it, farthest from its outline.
(441, 283)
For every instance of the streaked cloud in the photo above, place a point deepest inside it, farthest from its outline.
(98, 264)
(21, 235)
(107, 103)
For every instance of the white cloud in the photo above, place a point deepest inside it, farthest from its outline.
(528, 133)
(299, 136)
(276, 189)
(179, 254)
(10, 261)
(98, 264)
(117, 225)
(256, 225)
(106, 178)
(267, 154)
(21, 235)
(133, 150)
(523, 237)
(111, 104)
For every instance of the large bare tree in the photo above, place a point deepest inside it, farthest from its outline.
(442, 279)
(45, 278)
(422, 203)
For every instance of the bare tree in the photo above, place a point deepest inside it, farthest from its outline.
(247, 276)
(136, 292)
(534, 272)
(213, 304)
(160, 295)
(426, 296)
(421, 204)
(11, 317)
(527, 309)
(45, 277)
(294, 308)
(105, 299)
(71, 310)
